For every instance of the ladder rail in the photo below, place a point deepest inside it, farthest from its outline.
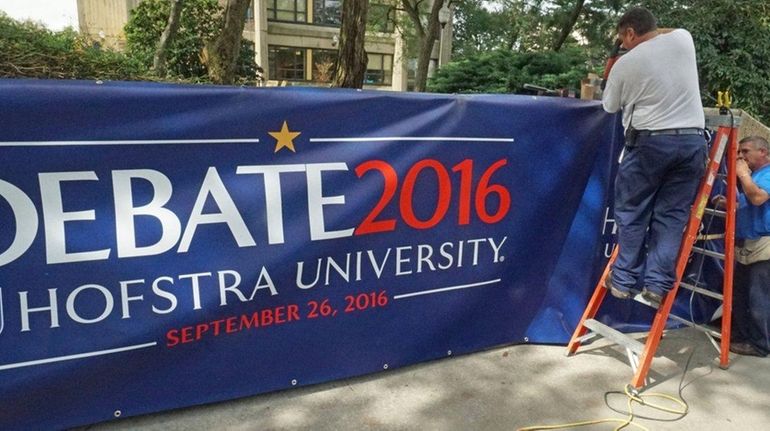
(592, 307)
(730, 219)
(587, 328)
(724, 142)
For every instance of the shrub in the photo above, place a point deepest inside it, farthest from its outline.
(503, 71)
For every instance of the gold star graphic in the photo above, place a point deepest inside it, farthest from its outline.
(285, 138)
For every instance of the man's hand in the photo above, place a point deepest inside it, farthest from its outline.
(719, 202)
(755, 194)
(742, 168)
(615, 53)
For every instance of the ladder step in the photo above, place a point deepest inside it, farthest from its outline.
(710, 237)
(708, 252)
(717, 213)
(640, 299)
(614, 335)
(701, 328)
(701, 290)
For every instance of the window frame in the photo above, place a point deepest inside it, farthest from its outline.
(273, 65)
(272, 11)
(326, 24)
(322, 51)
(387, 78)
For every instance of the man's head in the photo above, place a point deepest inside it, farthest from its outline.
(755, 151)
(636, 26)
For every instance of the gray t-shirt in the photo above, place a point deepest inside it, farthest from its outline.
(658, 81)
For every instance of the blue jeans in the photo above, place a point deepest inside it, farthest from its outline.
(751, 305)
(654, 189)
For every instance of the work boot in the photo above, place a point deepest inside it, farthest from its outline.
(745, 349)
(615, 291)
(654, 298)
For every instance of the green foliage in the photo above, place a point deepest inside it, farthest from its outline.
(405, 28)
(28, 50)
(527, 25)
(381, 17)
(481, 26)
(730, 56)
(200, 22)
(246, 69)
(503, 71)
(734, 56)
(477, 28)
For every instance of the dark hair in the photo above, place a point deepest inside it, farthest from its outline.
(638, 18)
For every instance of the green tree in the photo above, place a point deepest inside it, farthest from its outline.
(535, 25)
(351, 56)
(199, 21)
(730, 56)
(168, 35)
(583, 29)
(424, 22)
(591, 22)
(572, 12)
(477, 27)
(502, 71)
(735, 57)
(28, 50)
(224, 49)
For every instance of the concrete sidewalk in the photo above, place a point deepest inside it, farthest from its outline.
(500, 389)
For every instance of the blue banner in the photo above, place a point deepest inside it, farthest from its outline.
(164, 246)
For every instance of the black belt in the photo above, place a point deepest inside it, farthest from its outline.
(687, 131)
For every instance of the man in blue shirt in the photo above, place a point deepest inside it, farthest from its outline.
(751, 292)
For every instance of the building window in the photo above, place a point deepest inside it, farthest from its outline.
(379, 69)
(327, 12)
(381, 17)
(287, 10)
(286, 64)
(324, 65)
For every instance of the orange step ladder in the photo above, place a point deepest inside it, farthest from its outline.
(640, 355)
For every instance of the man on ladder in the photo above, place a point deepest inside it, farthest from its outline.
(656, 85)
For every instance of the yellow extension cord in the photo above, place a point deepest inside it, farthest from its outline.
(623, 422)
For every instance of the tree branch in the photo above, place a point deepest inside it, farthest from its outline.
(159, 60)
(414, 15)
(569, 25)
